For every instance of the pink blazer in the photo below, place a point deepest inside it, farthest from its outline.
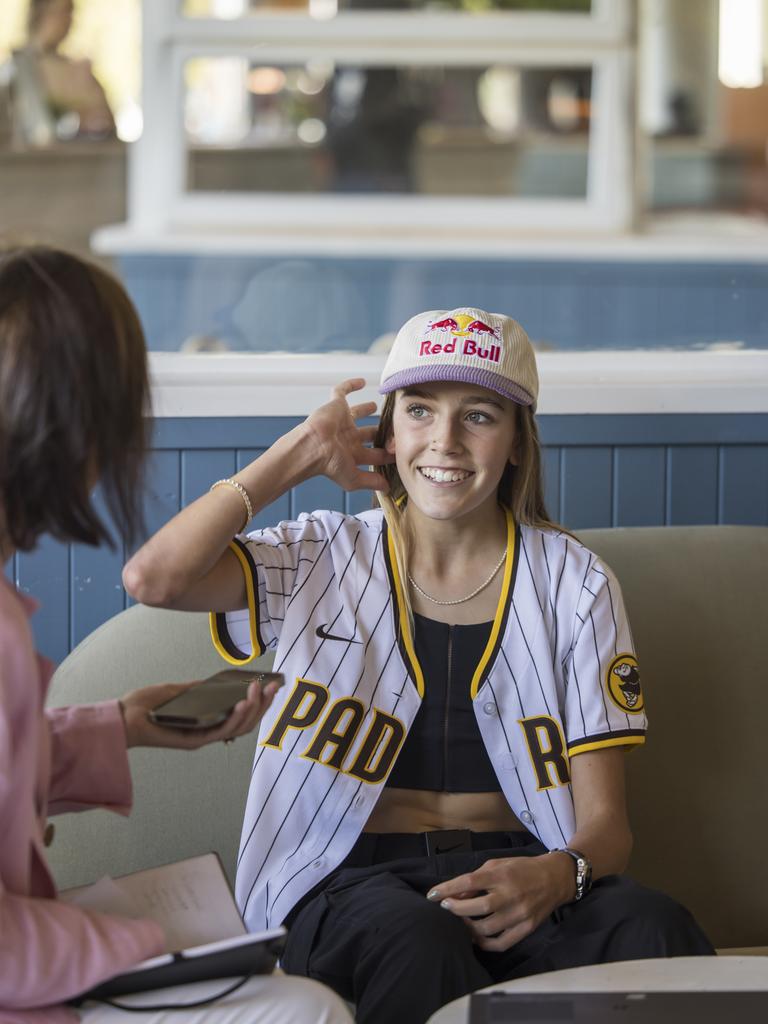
(67, 759)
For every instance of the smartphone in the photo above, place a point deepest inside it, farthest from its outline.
(212, 701)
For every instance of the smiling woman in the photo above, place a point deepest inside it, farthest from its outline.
(437, 801)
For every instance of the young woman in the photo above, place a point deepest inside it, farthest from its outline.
(437, 801)
(73, 393)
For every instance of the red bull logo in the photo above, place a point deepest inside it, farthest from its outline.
(466, 332)
(449, 324)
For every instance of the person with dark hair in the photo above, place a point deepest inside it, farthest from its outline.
(437, 800)
(74, 396)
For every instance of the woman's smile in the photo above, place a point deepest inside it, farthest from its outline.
(445, 476)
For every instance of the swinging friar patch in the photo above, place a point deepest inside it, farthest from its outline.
(623, 683)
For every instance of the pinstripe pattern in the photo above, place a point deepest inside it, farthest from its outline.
(560, 626)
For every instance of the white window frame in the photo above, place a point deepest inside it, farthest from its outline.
(159, 203)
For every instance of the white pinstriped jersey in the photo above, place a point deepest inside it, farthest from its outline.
(558, 677)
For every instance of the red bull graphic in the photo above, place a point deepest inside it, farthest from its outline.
(449, 324)
(478, 327)
(461, 328)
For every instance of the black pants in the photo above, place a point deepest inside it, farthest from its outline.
(369, 933)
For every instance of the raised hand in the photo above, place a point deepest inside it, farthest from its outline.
(340, 445)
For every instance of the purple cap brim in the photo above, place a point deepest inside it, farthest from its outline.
(434, 372)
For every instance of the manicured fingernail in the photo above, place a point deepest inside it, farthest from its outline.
(433, 895)
(446, 904)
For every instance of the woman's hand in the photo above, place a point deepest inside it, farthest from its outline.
(142, 732)
(340, 445)
(505, 900)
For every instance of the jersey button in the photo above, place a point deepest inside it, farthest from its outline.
(490, 708)
(527, 817)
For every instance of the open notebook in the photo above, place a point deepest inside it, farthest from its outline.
(206, 937)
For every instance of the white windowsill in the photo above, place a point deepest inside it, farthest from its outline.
(600, 382)
(712, 244)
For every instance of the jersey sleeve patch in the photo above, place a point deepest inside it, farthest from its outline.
(623, 684)
(220, 634)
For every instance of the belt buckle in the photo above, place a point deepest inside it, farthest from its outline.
(448, 840)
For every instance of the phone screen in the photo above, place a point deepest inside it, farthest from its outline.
(211, 702)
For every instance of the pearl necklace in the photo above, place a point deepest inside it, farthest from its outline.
(460, 600)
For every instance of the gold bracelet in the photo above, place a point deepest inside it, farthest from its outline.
(228, 482)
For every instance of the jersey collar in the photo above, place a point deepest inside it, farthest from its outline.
(403, 626)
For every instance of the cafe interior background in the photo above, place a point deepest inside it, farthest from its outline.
(289, 180)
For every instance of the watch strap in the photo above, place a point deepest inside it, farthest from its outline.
(583, 871)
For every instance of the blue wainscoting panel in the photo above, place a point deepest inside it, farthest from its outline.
(162, 492)
(45, 573)
(278, 510)
(199, 469)
(692, 482)
(95, 586)
(551, 465)
(358, 501)
(586, 486)
(316, 493)
(743, 491)
(598, 471)
(639, 485)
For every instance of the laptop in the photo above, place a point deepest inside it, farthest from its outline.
(618, 1008)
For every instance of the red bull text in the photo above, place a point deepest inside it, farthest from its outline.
(469, 347)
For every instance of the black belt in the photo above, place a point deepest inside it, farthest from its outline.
(382, 846)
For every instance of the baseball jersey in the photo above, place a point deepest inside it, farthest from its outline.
(558, 677)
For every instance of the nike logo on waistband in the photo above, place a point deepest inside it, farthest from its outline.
(449, 849)
(320, 631)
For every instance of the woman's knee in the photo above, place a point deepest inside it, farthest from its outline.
(657, 923)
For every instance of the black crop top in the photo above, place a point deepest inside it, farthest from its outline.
(444, 750)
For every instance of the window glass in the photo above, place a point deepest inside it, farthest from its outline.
(69, 98)
(89, 48)
(322, 127)
(704, 107)
(329, 8)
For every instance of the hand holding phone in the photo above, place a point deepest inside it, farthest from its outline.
(237, 711)
(211, 702)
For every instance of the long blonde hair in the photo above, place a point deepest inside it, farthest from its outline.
(521, 488)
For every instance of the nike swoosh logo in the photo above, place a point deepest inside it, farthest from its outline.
(449, 849)
(320, 631)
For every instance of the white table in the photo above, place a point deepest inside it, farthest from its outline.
(685, 973)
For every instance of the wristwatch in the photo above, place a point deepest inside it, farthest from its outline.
(583, 871)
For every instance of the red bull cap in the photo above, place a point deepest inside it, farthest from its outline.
(465, 344)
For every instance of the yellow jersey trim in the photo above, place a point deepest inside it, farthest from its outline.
(617, 741)
(217, 620)
(403, 620)
(501, 607)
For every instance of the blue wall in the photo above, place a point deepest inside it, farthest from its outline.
(600, 471)
(310, 304)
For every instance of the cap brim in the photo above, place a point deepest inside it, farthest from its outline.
(433, 374)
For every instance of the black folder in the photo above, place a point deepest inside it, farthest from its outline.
(232, 958)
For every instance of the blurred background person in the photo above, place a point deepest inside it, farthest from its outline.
(54, 97)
